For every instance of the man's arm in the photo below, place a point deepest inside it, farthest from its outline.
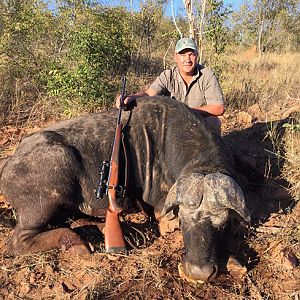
(210, 110)
(149, 92)
(213, 95)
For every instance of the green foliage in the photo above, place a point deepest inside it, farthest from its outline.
(75, 54)
(151, 34)
(25, 41)
(271, 25)
(25, 35)
(216, 35)
(70, 59)
(216, 31)
(97, 53)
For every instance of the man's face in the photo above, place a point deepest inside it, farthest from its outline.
(186, 61)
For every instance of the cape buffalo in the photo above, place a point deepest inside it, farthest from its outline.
(176, 165)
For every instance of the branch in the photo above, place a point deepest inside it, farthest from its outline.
(165, 56)
(201, 33)
(174, 20)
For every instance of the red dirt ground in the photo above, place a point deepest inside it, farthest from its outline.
(270, 247)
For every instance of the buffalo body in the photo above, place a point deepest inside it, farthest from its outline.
(175, 164)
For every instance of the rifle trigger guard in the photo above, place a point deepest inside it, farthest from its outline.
(119, 189)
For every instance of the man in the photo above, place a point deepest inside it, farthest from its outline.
(188, 82)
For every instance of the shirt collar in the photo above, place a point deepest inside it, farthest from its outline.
(198, 71)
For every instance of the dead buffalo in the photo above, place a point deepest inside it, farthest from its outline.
(176, 165)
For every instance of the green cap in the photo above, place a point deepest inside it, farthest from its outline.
(185, 43)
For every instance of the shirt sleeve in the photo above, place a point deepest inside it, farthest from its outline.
(212, 90)
(161, 83)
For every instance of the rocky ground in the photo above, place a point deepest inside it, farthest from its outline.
(269, 248)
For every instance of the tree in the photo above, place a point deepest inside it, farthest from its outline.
(73, 54)
(242, 27)
(97, 53)
(215, 27)
(208, 29)
(188, 5)
(25, 44)
(147, 22)
(271, 25)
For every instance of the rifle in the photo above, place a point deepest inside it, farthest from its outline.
(113, 235)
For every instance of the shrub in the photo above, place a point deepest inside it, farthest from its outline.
(98, 54)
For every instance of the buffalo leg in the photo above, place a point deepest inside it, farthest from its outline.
(61, 238)
(30, 235)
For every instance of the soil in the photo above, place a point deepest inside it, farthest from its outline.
(268, 250)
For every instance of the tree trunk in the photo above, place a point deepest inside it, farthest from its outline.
(260, 31)
(201, 33)
(188, 4)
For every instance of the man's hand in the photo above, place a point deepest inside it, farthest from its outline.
(127, 100)
(131, 98)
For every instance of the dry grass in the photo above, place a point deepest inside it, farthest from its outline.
(291, 168)
(269, 80)
(272, 82)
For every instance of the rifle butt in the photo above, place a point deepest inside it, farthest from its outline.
(113, 236)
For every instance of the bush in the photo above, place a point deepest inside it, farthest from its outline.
(97, 56)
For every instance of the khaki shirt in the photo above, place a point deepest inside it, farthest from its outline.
(204, 88)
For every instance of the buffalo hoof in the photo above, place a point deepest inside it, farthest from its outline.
(197, 274)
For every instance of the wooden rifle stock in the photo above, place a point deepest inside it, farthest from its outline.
(113, 238)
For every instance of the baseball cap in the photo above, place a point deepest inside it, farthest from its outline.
(185, 43)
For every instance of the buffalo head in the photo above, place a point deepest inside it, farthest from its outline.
(206, 202)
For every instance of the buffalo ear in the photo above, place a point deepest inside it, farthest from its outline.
(186, 191)
(171, 201)
(222, 194)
